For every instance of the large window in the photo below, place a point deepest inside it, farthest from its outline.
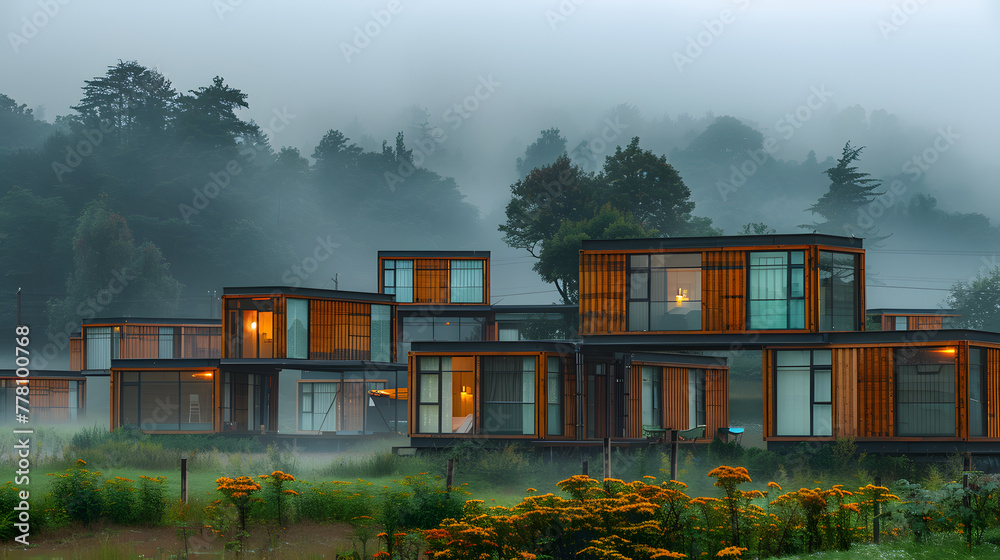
(696, 398)
(251, 328)
(297, 328)
(664, 292)
(103, 344)
(838, 291)
(977, 393)
(803, 400)
(428, 328)
(466, 281)
(318, 406)
(554, 396)
(446, 395)
(166, 400)
(52, 400)
(925, 391)
(397, 279)
(381, 333)
(508, 394)
(652, 396)
(777, 290)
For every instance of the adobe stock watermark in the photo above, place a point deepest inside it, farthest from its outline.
(220, 180)
(787, 125)
(364, 34)
(301, 271)
(592, 150)
(33, 24)
(699, 42)
(899, 16)
(224, 7)
(456, 115)
(562, 13)
(915, 167)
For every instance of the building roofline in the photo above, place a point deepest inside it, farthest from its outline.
(151, 320)
(479, 346)
(374, 297)
(723, 241)
(434, 254)
(161, 363)
(904, 311)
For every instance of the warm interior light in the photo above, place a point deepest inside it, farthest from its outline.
(206, 375)
(681, 296)
(945, 350)
(253, 325)
(465, 389)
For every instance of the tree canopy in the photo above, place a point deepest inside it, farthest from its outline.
(555, 207)
(978, 301)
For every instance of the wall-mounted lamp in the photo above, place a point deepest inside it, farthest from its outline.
(253, 325)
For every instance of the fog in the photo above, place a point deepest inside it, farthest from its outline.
(893, 76)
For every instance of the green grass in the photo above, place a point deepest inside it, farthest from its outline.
(939, 546)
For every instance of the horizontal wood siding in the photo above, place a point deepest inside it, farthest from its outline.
(875, 393)
(993, 392)
(845, 392)
(723, 291)
(675, 398)
(716, 401)
(602, 293)
(431, 280)
(339, 330)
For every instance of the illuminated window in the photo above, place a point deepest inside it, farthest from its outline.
(925, 391)
(664, 292)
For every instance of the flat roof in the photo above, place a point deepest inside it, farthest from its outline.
(235, 364)
(435, 254)
(891, 311)
(723, 241)
(757, 341)
(308, 292)
(482, 346)
(42, 374)
(151, 321)
(162, 363)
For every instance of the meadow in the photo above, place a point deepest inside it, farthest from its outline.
(117, 495)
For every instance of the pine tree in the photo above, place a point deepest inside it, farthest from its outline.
(850, 190)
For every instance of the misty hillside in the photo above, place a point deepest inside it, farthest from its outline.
(171, 173)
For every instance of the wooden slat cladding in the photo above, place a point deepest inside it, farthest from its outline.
(962, 390)
(845, 392)
(875, 392)
(76, 354)
(716, 401)
(602, 293)
(675, 398)
(339, 330)
(431, 280)
(723, 290)
(992, 366)
(140, 341)
(280, 332)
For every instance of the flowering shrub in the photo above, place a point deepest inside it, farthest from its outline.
(646, 519)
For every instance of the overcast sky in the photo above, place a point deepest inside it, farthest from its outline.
(534, 64)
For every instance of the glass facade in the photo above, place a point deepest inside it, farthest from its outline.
(381, 333)
(166, 400)
(803, 399)
(425, 328)
(838, 291)
(696, 398)
(664, 292)
(652, 396)
(318, 406)
(554, 396)
(777, 290)
(467, 281)
(925, 391)
(977, 393)
(103, 344)
(297, 328)
(397, 279)
(508, 387)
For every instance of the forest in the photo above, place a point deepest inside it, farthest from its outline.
(146, 200)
